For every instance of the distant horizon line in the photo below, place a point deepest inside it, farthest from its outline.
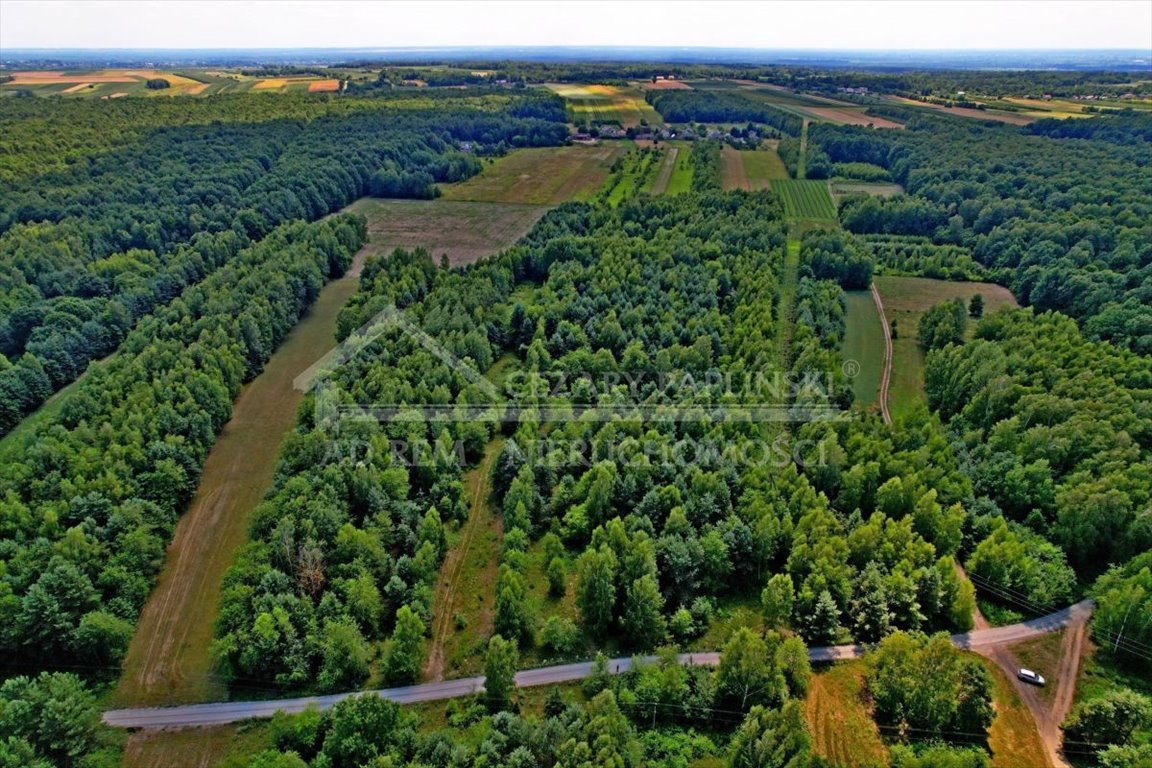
(590, 46)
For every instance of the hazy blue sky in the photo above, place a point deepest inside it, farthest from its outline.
(902, 24)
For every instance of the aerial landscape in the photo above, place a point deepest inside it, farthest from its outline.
(575, 384)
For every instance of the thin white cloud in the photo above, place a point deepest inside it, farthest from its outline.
(783, 24)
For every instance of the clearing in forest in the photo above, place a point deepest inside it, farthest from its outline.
(682, 171)
(464, 231)
(751, 168)
(540, 175)
(840, 188)
(906, 299)
(863, 344)
(805, 200)
(763, 165)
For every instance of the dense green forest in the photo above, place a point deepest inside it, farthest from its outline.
(85, 252)
(91, 500)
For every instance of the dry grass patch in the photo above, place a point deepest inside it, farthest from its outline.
(839, 716)
(323, 85)
(732, 172)
(464, 231)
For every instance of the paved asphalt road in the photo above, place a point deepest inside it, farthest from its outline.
(234, 711)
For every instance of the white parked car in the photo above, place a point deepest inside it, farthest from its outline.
(1029, 676)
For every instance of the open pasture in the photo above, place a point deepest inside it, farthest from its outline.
(540, 176)
(680, 176)
(464, 231)
(623, 106)
(805, 200)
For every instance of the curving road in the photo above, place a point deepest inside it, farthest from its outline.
(234, 711)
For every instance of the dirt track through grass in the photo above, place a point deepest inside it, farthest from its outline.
(466, 586)
(169, 660)
(905, 300)
(660, 184)
(886, 373)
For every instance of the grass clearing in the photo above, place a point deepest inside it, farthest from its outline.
(169, 660)
(837, 710)
(805, 200)
(680, 180)
(763, 165)
(1013, 738)
(732, 174)
(878, 189)
(658, 182)
(540, 176)
(465, 598)
(905, 301)
(863, 343)
(464, 231)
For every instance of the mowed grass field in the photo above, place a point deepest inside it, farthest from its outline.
(623, 106)
(805, 200)
(843, 731)
(864, 344)
(464, 231)
(540, 175)
(905, 301)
